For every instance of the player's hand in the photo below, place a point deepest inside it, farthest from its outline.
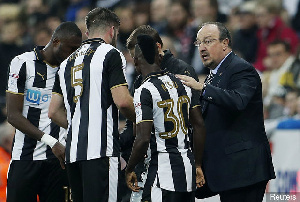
(131, 181)
(190, 81)
(59, 151)
(200, 181)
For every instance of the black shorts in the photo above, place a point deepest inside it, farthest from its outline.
(156, 194)
(45, 178)
(94, 180)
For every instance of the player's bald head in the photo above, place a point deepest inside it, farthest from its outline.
(66, 30)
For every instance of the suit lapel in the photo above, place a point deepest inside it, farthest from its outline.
(216, 79)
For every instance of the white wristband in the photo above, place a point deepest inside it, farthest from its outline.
(48, 140)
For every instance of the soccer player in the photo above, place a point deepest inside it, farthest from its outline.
(163, 111)
(167, 62)
(34, 169)
(93, 87)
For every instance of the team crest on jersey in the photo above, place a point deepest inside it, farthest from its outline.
(36, 97)
(15, 76)
(138, 108)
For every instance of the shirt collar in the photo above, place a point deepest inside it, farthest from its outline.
(214, 71)
(38, 54)
(155, 74)
(88, 41)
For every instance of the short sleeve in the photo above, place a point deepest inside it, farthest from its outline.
(16, 76)
(56, 87)
(115, 65)
(195, 101)
(143, 105)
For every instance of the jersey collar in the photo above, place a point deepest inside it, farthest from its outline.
(155, 74)
(88, 41)
(38, 54)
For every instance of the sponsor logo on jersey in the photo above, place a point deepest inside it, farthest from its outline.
(36, 97)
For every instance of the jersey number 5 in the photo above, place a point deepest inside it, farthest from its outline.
(170, 116)
(76, 80)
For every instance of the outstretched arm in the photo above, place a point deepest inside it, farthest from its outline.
(139, 150)
(191, 82)
(199, 134)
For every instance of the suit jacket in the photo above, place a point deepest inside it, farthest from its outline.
(237, 151)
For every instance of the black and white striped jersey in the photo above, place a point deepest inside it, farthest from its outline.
(30, 76)
(163, 99)
(85, 80)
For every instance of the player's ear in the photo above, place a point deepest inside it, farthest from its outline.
(112, 31)
(55, 41)
(225, 43)
(158, 46)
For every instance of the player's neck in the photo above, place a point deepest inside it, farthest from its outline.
(150, 69)
(48, 56)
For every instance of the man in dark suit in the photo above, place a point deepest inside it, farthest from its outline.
(237, 160)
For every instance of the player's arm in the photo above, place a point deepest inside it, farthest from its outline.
(128, 134)
(199, 134)
(144, 118)
(115, 65)
(124, 101)
(57, 112)
(191, 82)
(139, 150)
(14, 105)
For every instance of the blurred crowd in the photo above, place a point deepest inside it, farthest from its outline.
(265, 33)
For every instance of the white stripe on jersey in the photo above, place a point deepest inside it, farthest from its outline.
(187, 167)
(156, 194)
(109, 128)
(75, 129)
(96, 106)
(164, 174)
(113, 179)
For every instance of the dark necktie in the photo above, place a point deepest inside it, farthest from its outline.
(209, 78)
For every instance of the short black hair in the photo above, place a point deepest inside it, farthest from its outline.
(66, 30)
(224, 33)
(101, 18)
(286, 44)
(147, 46)
(143, 29)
